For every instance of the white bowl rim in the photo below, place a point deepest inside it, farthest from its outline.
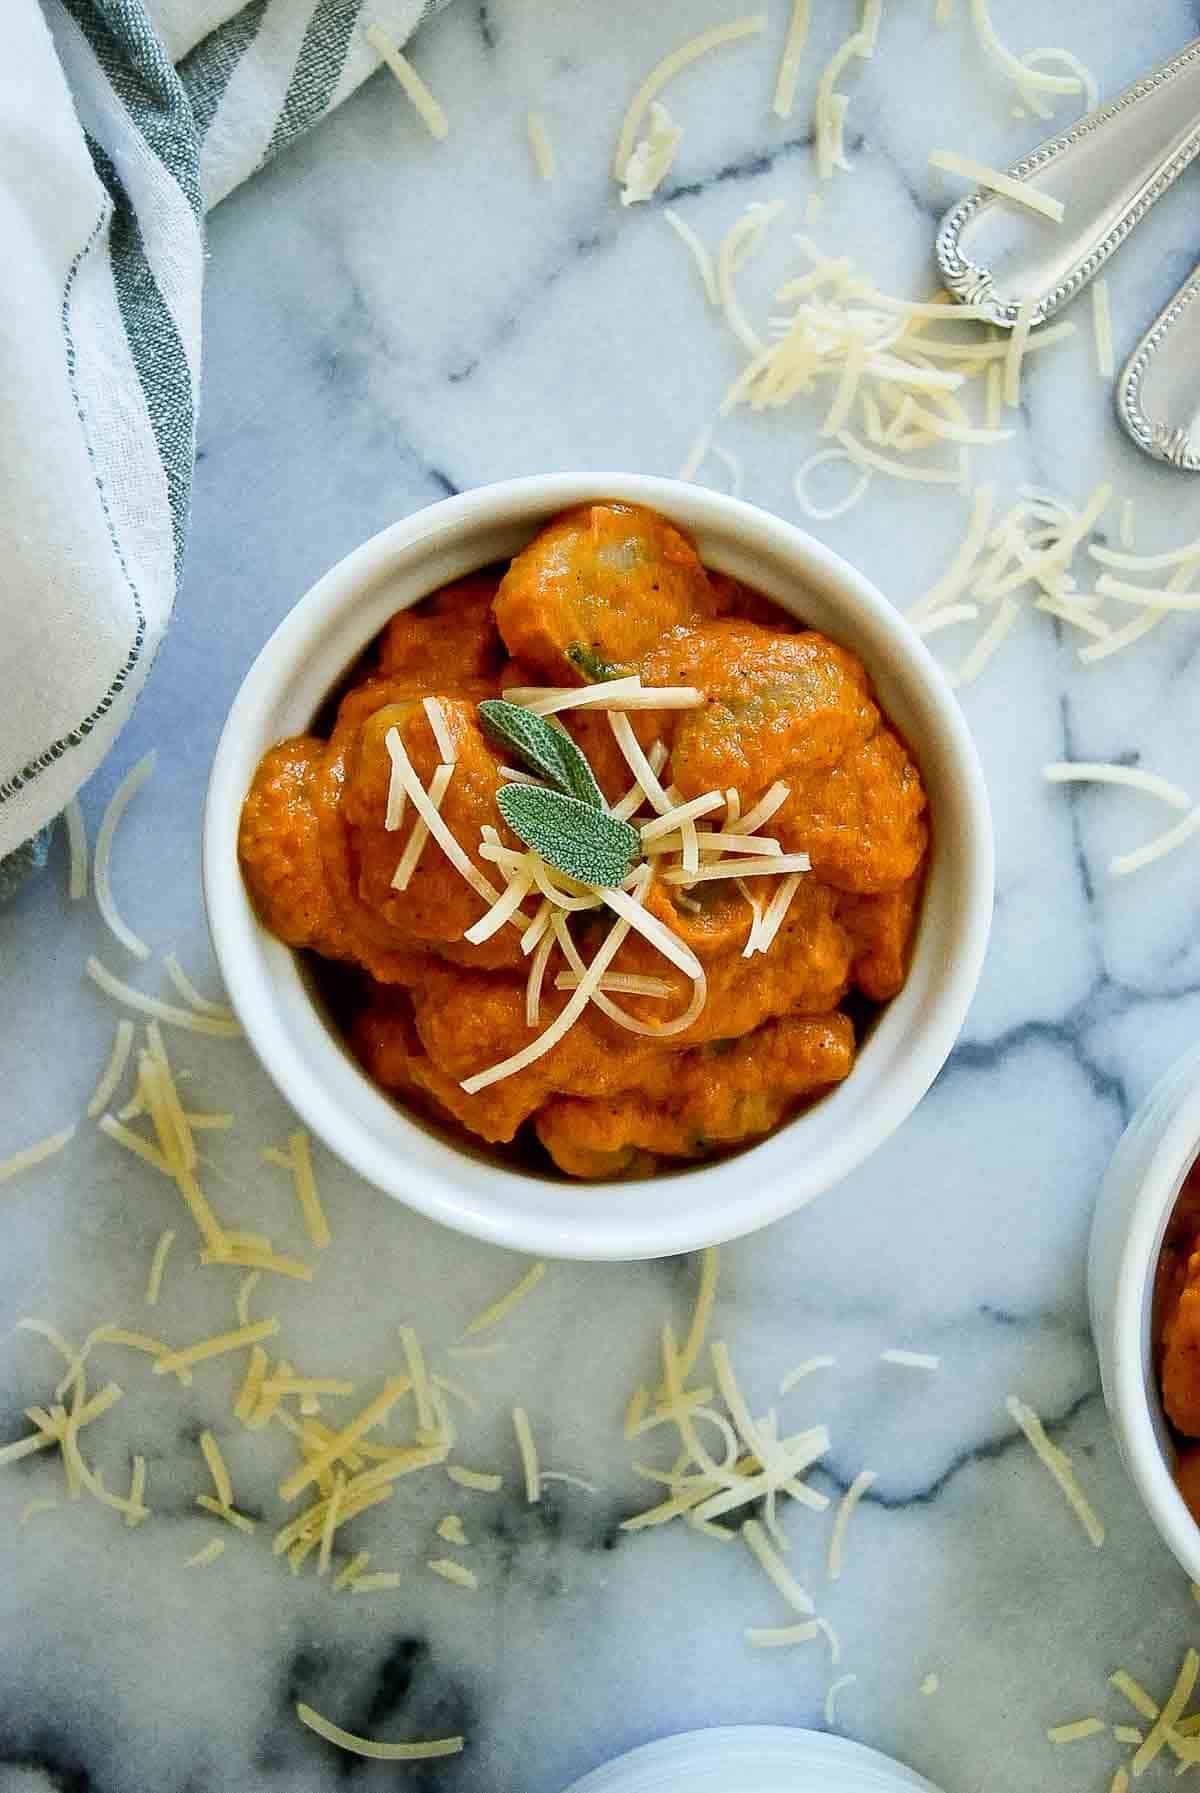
(582, 1233)
(1160, 1182)
(771, 1758)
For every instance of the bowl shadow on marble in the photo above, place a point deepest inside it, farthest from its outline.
(701, 1205)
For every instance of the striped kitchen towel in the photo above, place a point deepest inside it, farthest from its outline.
(121, 123)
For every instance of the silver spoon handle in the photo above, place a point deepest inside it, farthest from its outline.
(1108, 170)
(1158, 393)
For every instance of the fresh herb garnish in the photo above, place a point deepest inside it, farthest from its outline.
(574, 837)
(549, 752)
(596, 671)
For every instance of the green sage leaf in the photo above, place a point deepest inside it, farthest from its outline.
(595, 669)
(549, 752)
(583, 842)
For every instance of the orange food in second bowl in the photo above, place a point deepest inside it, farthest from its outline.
(681, 793)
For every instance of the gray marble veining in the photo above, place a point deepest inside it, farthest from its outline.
(389, 320)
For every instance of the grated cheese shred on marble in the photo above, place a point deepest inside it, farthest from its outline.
(128, 788)
(499, 1310)
(219, 1026)
(789, 61)
(911, 1360)
(670, 66)
(35, 1154)
(203, 1005)
(1058, 1464)
(1020, 192)
(368, 1746)
(529, 1457)
(426, 107)
(652, 157)
(540, 145)
(77, 848)
(704, 267)
(853, 1495)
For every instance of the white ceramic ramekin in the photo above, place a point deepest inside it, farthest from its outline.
(753, 1759)
(1137, 1196)
(677, 1212)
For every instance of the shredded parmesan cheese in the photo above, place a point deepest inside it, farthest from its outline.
(789, 61)
(105, 902)
(1059, 1466)
(782, 1636)
(997, 182)
(826, 513)
(652, 158)
(480, 1481)
(1017, 343)
(455, 1572)
(113, 1071)
(704, 267)
(427, 810)
(1093, 772)
(220, 1510)
(415, 845)
(78, 849)
(444, 740)
(870, 458)
(217, 1468)
(805, 1369)
(491, 1316)
(315, 1222)
(831, 1696)
(373, 1584)
(665, 70)
(830, 115)
(1031, 84)
(849, 1501)
(1172, 1709)
(1102, 332)
(775, 1569)
(540, 146)
(706, 1294)
(529, 1460)
(216, 1346)
(342, 1442)
(769, 865)
(366, 1746)
(911, 1360)
(34, 1154)
(189, 992)
(33, 1507)
(209, 1554)
(1166, 843)
(1076, 1731)
(427, 108)
(562, 1023)
(1001, 625)
(161, 1011)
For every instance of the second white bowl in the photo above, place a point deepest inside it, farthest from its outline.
(1136, 1200)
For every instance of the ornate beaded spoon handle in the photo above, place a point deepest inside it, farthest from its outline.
(1108, 170)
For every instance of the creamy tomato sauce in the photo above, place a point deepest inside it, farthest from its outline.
(602, 592)
(1176, 1326)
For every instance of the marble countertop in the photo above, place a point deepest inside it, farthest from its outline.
(390, 320)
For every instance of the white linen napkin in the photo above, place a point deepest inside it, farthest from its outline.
(121, 123)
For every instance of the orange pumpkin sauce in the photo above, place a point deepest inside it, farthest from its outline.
(1176, 1327)
(603, 591)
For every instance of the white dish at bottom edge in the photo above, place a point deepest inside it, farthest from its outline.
(753, 1759)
